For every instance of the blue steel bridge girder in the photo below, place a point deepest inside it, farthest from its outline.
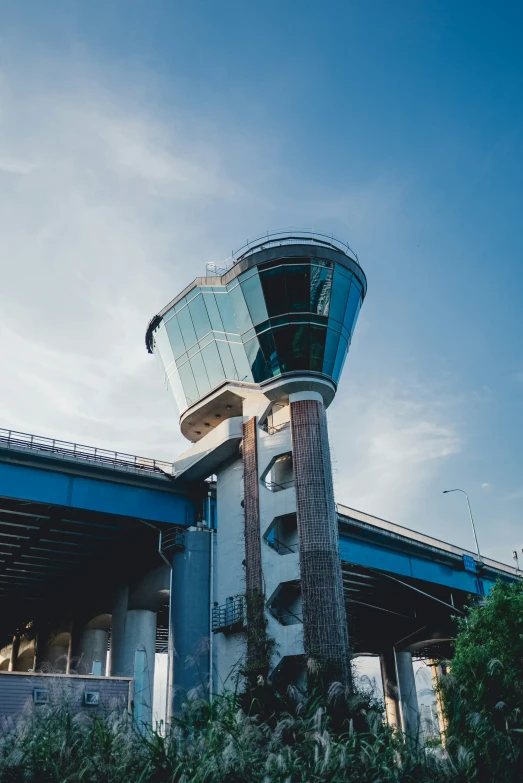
(404, 588)
(73, 524)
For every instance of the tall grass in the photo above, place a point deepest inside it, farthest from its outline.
(220, 743)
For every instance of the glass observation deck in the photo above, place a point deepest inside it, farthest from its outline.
(286, 305)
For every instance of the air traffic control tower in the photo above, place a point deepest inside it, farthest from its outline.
(253, 354)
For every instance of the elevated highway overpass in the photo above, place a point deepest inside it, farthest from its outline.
(77, 523)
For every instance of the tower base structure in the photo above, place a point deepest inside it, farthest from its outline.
(276, 595)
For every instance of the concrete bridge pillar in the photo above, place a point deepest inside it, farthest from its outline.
(133, 637)
(52, 650)
(89, 645)
(15, 649)
(390, 688)
(408, 696)
(132, 655)
(190, 615)
(438, 671)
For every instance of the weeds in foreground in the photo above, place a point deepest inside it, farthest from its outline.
(218, 743)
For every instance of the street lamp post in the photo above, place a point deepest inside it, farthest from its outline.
(445, 491)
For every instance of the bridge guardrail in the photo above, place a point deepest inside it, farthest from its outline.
(61, 448)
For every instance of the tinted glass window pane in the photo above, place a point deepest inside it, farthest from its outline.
(298, 282)
(356, 317)
(292, 343)
(226, 313)
(253, 294)
(186, 326)
(268, 347)
(227, 360)
(188, 383)
(194, 350)
(177, 389)
(317, 347)
(352, 305)
(200, 319)
(175, 336)
(340, 359)
(200, 374)
(241, 313)
(321, 284)
(209, 338)
(339, 294)
(180, 304)
(280, 320)
(213, 313)
(213, 365)
(256, 360)
(274, 291)
(243, 369)
(163, 347)
(331, 348)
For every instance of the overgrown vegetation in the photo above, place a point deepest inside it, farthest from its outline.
(218, 744)
(261, 736)
(484, 691)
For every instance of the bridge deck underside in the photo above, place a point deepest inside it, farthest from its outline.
(53, 555)
(408, 614)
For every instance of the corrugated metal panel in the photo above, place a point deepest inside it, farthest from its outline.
(16, 692)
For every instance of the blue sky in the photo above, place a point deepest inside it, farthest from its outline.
(139, 140)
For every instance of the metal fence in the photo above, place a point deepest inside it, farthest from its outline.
(65, 450)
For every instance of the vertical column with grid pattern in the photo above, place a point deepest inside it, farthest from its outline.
(325, 633)
(255, 605)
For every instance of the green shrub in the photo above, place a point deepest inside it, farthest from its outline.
(483, 693)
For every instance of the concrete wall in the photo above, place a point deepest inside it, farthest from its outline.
(229, 573)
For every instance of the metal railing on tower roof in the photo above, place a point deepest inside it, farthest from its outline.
(292, 236)
(11, 439)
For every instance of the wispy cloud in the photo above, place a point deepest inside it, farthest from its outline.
(107, 209)
(99, 203)
(394, 441)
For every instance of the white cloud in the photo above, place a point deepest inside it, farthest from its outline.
(99, 204)
(394, 441)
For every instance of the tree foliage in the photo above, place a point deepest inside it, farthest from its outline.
(483, 694)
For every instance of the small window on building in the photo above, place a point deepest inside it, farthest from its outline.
(41, 696)
(92, 698)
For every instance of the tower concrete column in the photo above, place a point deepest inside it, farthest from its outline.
(390, 688)
(190, 613)
(325, 634)
(408, 696)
